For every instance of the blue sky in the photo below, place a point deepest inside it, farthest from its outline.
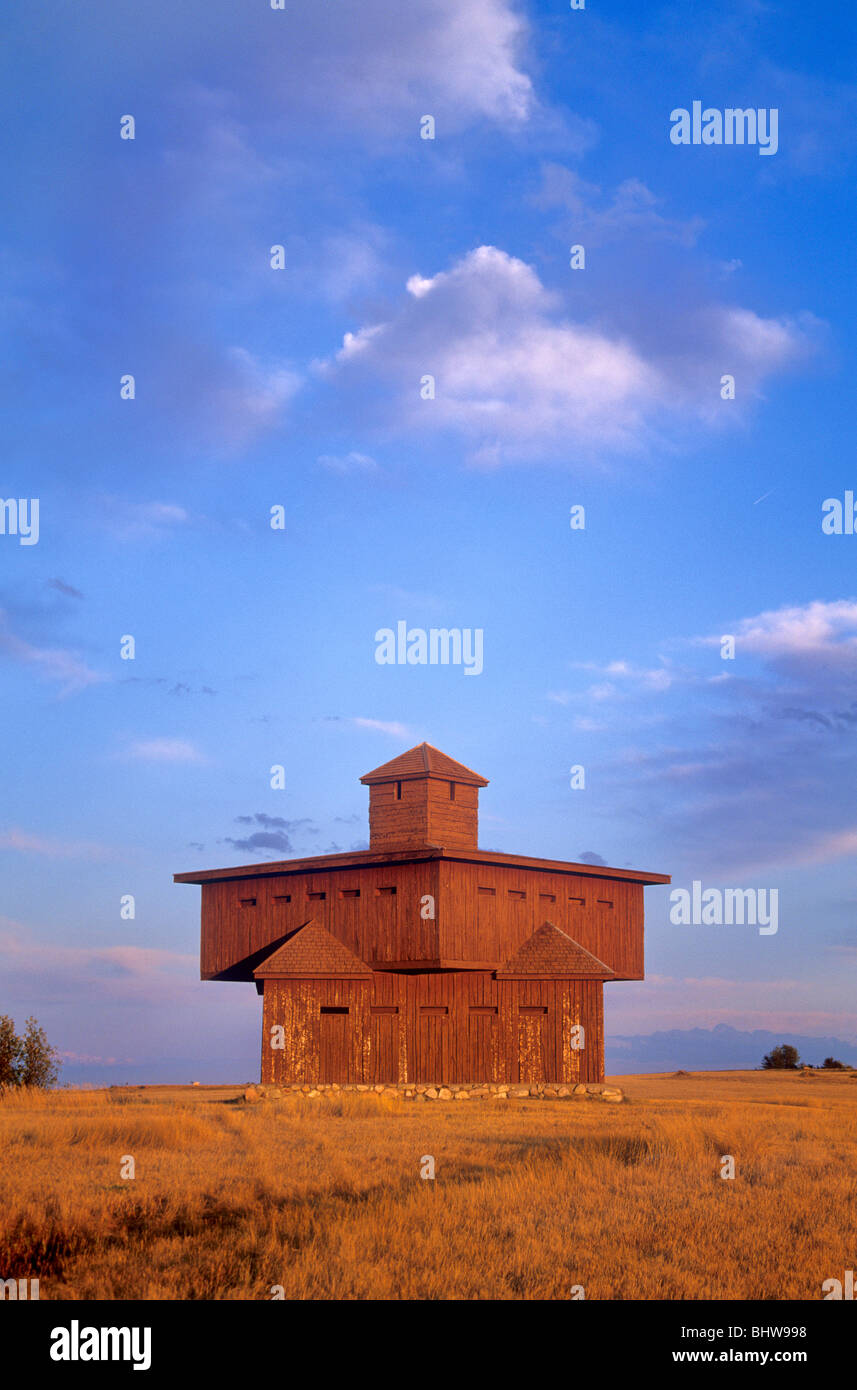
(300, 387)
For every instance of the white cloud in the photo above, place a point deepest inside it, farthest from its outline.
(382, 726)
(351, 462)
(355, 343)
(819, 631)
(141, 520)
(162, 513)
(511, 373)
(517, 379)
(418, 286)
(621, 679)
(382, 66)
(165, 750)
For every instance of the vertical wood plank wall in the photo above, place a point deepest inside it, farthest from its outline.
(483, 912)
(423, 814)
(501, 906)
(242, 916)
(434, 1028)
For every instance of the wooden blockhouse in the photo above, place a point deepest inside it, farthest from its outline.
(424, 958)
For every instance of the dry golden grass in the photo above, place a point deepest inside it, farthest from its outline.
(324, 1196)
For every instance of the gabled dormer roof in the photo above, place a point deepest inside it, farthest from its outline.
(423, 761)
(312, 951)
(550, 952)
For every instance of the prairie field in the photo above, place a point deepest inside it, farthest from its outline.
(530, 1198)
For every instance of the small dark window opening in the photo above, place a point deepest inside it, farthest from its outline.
(434, 1010)
(248, 902)
(518, 894)
(532, 1009)
(385, 892)
(581, 902)
(398, 791)
(452, 791)
(282, 897)
(349, 892)
(483, 1009)
(548, 897)
(487, 892)
(317, 897)
(384, 1009)
(605, 902)
(333, 1009)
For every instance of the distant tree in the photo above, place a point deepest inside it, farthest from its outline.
(10, 1052)
(40, 1063)
(831, 1064)
(29, 1060)
(782, 1058)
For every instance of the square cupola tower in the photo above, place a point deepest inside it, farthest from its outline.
(423, 798)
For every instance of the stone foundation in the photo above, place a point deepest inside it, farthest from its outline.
(484, 1091)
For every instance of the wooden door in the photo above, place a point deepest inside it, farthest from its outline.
(433, 1043)
(384, 1056)
(482, 1043)
(334, 1044)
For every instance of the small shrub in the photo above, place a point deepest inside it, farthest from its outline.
(782, 1058)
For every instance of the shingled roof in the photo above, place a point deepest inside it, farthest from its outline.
(550, 952)
(312, 951)
(422, 761)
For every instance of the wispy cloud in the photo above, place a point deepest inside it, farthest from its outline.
(383, 726)
(28, 843)
(140, 520)
(826, 849)
(260, 391)
(414, 598)
(752, 768)
(352, 462)
(62, 973)
(619, 679)
(56, 664)
(688, 1002)
(595, 219)
(165, 750)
